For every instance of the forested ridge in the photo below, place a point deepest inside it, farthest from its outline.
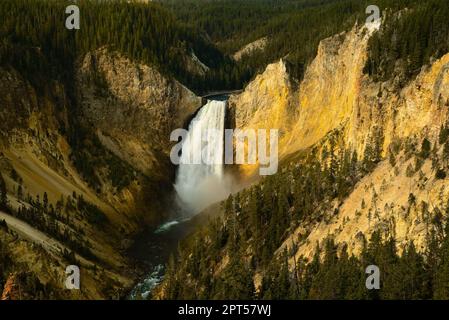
(408, 40)
(164, 32)
(295, 27)
(31, 286)
(35, 41)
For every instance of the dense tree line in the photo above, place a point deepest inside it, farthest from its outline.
(409, 40)
(58, 221)
(333, 274)
(3, 194)
(35, 41)
(294, 27)
(234, 20)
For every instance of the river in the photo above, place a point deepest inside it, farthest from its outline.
(153, 248)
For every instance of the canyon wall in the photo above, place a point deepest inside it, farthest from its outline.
(102, 139)
(133, 108)
(336, 95)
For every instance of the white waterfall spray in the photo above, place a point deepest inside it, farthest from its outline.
(202, 183)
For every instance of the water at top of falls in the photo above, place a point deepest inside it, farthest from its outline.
(199, 180)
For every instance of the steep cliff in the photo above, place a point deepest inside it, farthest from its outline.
(133, 108)
(337, 97)
(323, 101)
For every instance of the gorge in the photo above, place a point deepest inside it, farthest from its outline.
(86, 175)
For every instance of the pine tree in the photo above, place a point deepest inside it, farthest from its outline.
(20, 192)
(426, 147)
(441, 281)
(283, 281)
(45, 201)
(3, 194)
(237, 280)
(413, 276)
(444, 134)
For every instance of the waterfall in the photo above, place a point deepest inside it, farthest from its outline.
(199, 180)
(198, 185)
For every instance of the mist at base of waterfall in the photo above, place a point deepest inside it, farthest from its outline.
(209, 190)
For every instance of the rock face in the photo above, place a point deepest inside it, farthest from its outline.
(336, 95)
(133, 108)
(325, 99)
(250, 48)
(329, 91)
(10, 291)
(268, 102)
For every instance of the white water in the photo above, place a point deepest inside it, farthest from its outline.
(166, 226)
(199, 185)
(143, 289)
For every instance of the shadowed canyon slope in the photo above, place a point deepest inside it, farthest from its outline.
(125, 116)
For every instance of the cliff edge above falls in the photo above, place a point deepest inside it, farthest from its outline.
(336, 94)
(322, 101)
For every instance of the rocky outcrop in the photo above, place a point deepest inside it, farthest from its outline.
(335, 93)
(326, 97)
(268, 102)
(250, 48)
(11, 290)
(133, 108)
